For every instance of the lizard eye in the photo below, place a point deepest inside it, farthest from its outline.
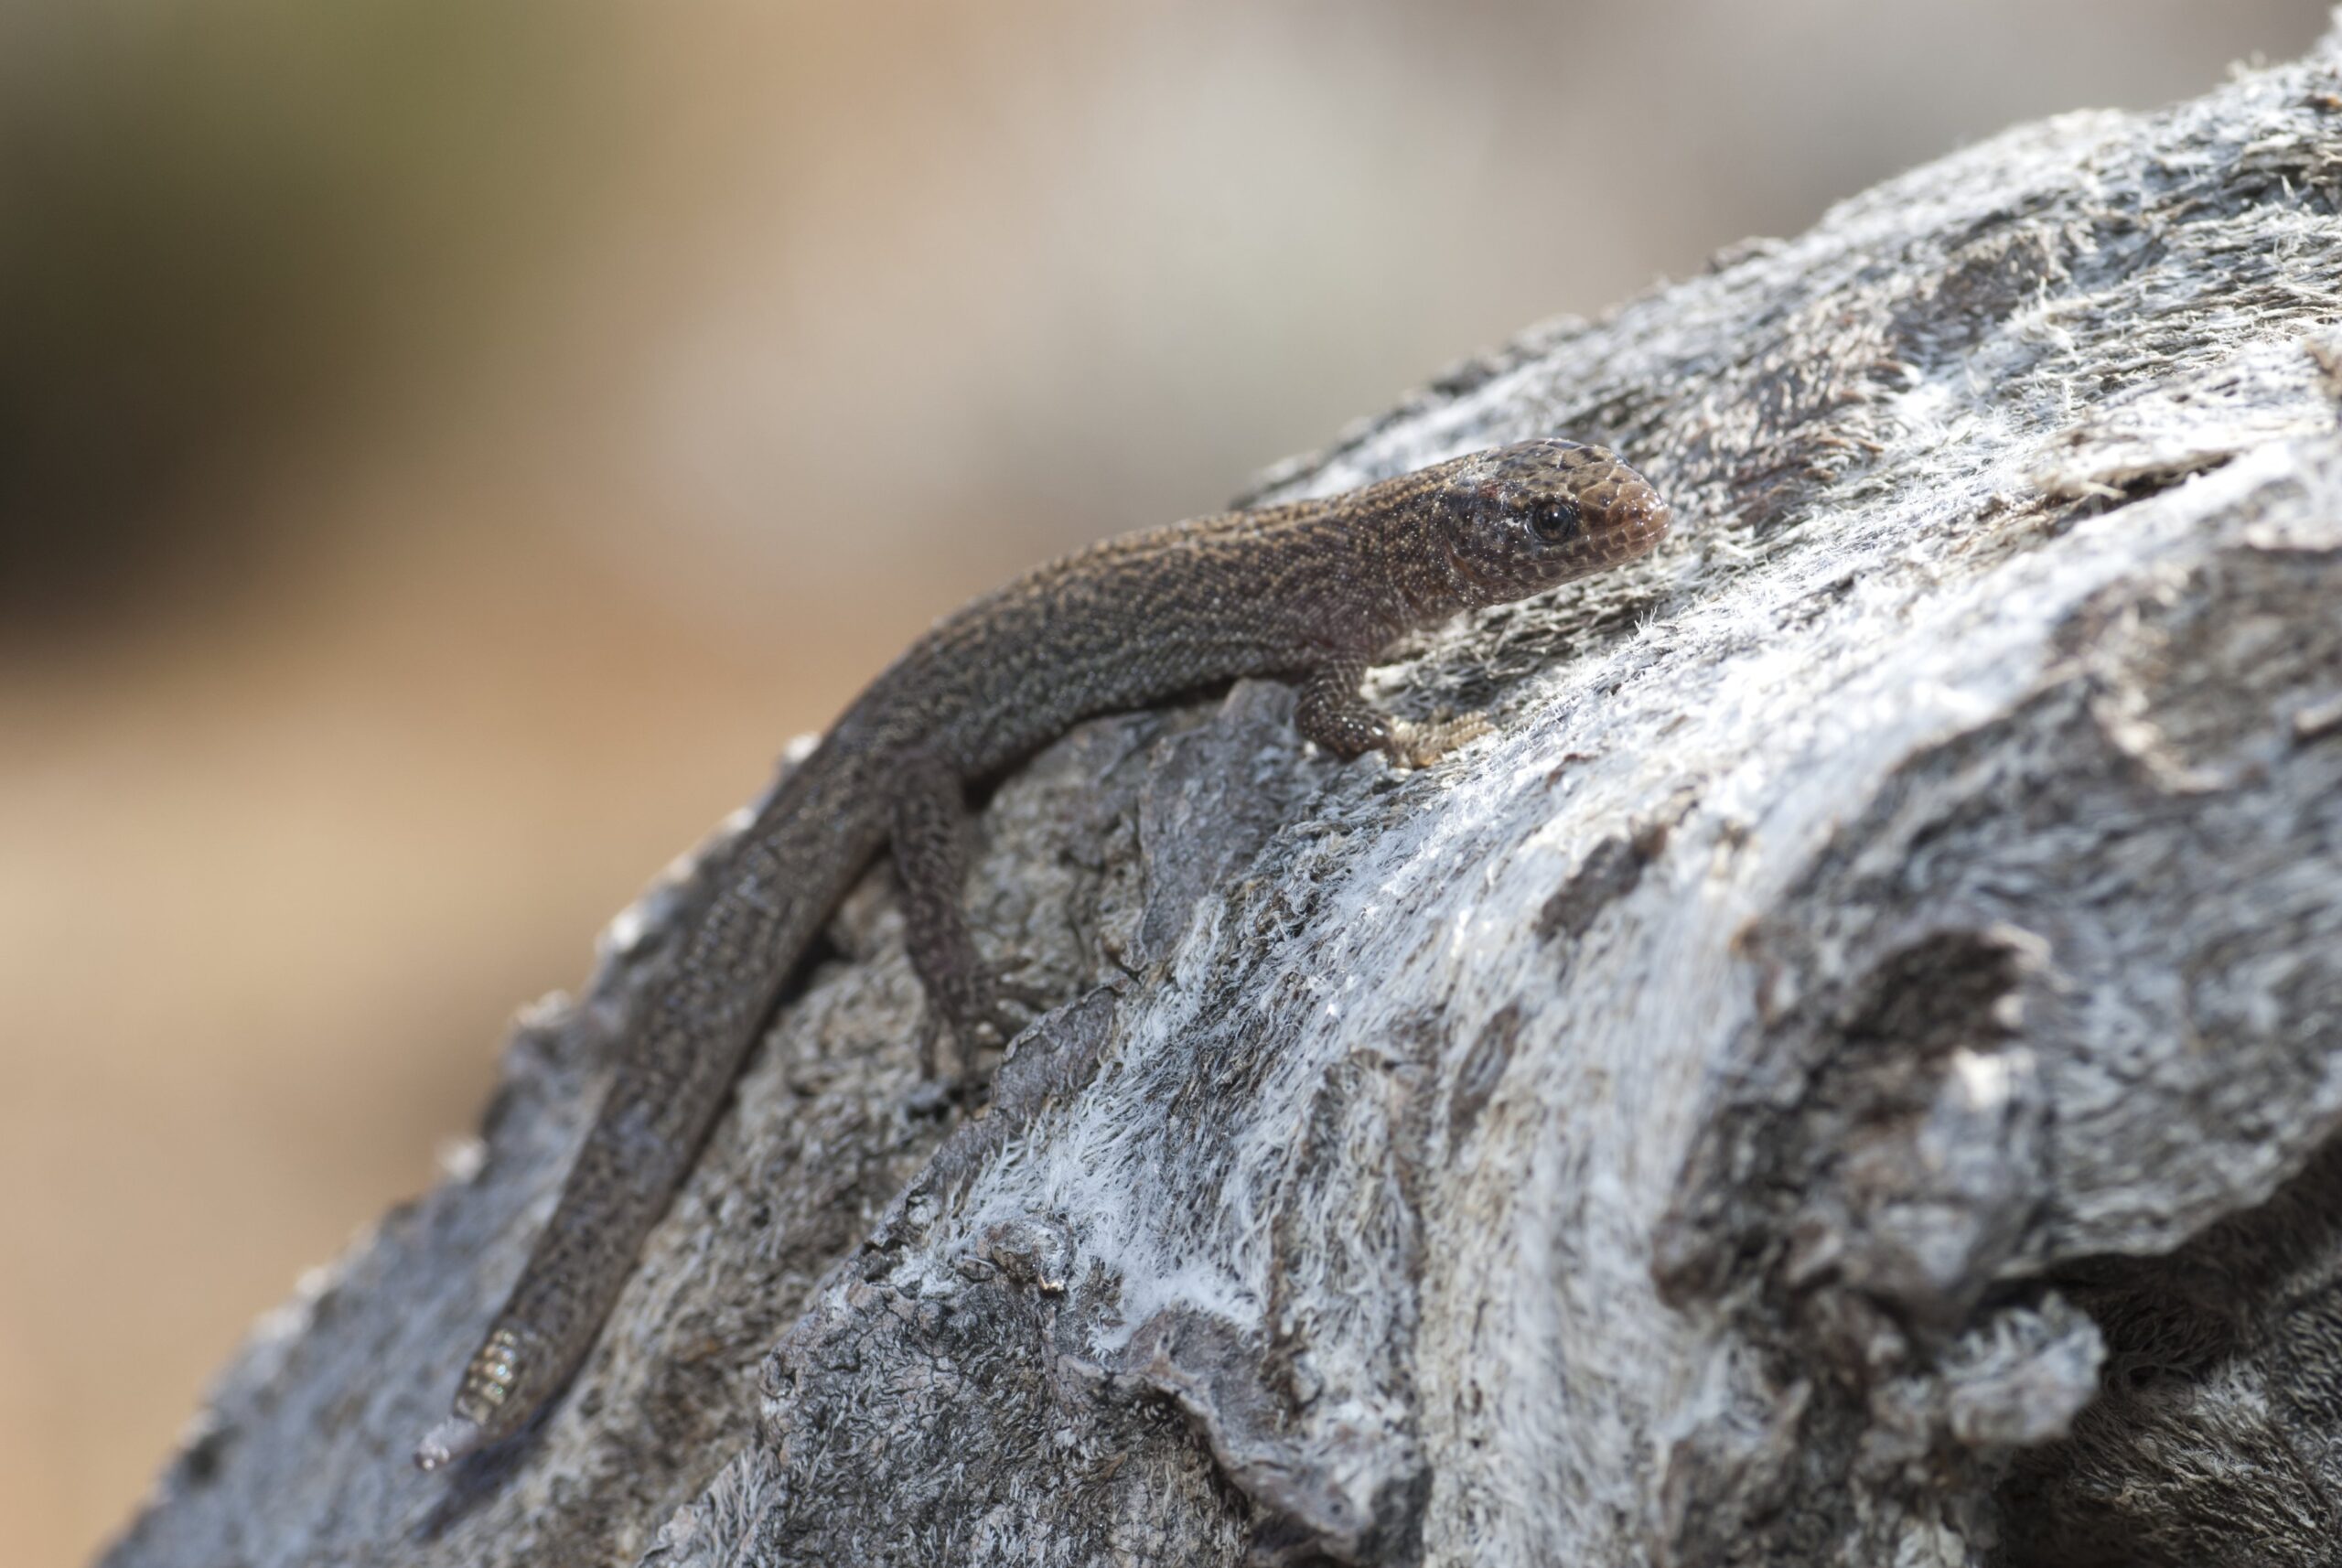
(1553, 522)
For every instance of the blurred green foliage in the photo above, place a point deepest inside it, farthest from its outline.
(226, 224)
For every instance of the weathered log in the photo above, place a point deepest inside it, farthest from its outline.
(1848, 1074)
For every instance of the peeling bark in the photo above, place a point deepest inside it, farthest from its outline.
(1848, 1073)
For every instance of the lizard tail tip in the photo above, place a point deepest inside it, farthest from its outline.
(448, 1442)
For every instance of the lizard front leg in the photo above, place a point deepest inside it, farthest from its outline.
(1332, 713)
(931, 839)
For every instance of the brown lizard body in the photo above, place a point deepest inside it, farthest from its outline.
(1309, 590)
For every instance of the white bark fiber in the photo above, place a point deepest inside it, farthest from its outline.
(1848, 1074)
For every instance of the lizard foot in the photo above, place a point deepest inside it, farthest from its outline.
(996, 1012)
(1420, 746)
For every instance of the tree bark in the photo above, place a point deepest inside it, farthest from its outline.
(1848, 1074)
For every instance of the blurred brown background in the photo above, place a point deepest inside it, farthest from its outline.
(446, 448)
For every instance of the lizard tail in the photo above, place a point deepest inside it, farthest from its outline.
(671, 1084)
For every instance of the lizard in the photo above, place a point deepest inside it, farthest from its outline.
(1309, 590)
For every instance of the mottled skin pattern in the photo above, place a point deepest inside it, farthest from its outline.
(1310, 591)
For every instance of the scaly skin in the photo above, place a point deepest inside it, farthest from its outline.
(1310, 591)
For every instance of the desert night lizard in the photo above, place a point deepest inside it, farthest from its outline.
(1308, 591)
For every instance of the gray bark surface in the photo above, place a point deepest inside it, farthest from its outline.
(1848, 1073)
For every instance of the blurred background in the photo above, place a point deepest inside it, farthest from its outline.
(448, 447)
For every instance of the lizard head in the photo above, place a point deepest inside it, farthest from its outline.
(1515, 521)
